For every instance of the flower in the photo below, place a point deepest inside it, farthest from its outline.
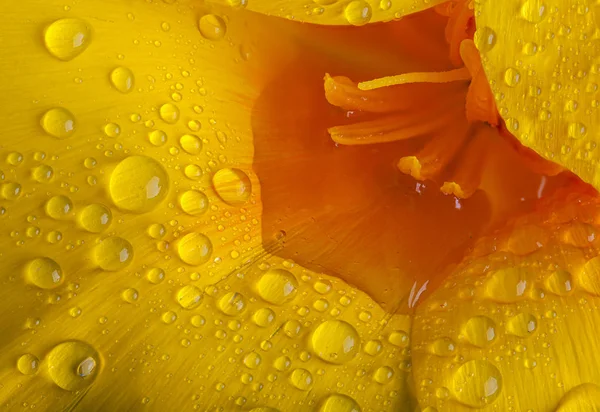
(190, 224)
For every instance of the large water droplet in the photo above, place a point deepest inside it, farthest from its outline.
(301, 379)
(277, 286)
(534, 11)
(28, 364)
(113, 253)
(193, 202)
(59, 207)
(589, 276)
(252, 360)
(95, 218)
(358, 12)
(169, 113)
(263, 317)
(485, 39)
(477, 383)
(189, 297)
(232, 185)
(66, 39)
(44, 272)
(584, 397)
(335, 341)
(122, 79)
(73, 365)
(138, 184)
(191, 144)
(479, 331)
(212, 27)
(560, 282)
(443, 347)
(232, 303)
(338, 403)
(508, 285)
(194, 248)
(59, 122)
(522, 325)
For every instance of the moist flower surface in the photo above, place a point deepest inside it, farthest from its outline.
(329, 205)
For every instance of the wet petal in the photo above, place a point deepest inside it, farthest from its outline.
(335, 12)
(540, 58)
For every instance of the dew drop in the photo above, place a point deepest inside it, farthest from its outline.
(130, 295)
(479, 331)
(193, 202)
(358, 12)
(485, 39)
(113, 254)
(232, 303)
(169, 113)
(138, 184)
(193, 172)
(263, 317)
(301, 379)
(335, 341)
(189, 297)
(194, 248)
(277, 286)
(28, 364)
(560, 282)
(59, 207)
(44, 272)
(122, 79)
(59, 122)
(212, 27)
(232, 185)
(191, 144)
(477, 383)
(73, 365)
(66, 39)
(338, 403)
(95, 218)
(522, 325)
(43, 173)
(157, 137)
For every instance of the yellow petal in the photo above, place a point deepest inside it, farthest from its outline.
(540, 58)
(496, 334)
(335, 12)
(131, 256)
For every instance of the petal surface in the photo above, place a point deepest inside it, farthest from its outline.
(540, 58)
(335, 12)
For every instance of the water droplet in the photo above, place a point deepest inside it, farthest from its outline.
(383, 375)
(534, 11)
(191, 144)
(169, 113)
(73, 365)
(59, 122)
(130, 295)
(112, 130)
(138, 184)
(113, 253)
(560, 282)
(10, 190)
(263, 317)
(589, 276)
(14, 158)
(122, 79)
(292, 328)
(477, 383)
(232, 303)
(508, 285)
(59, 207)
(43, 173)
(585, 397)
(301, 379)
(358, 12)
(193, 172)
(193, 202)
(512, 77)
(212, 27)
(530, 49)
(577, 130)
(95, 218)
(28, 364)
(335, 341)
(485, 39)
(277, 286)
(479, 331)
(189, 297)
(282, 363)
(443, 347)
(338, 403)
(252, 360)
(373, 347)
(66, 39)
(522, 325)
(232, 185)
(194, 249)
(322, 286)
(169, 317)
(157, 137)
(399, 338)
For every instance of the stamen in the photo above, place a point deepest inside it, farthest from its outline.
(399, 126)
(461, 74)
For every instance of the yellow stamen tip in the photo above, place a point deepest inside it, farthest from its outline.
(453, 188)
(410, 165)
